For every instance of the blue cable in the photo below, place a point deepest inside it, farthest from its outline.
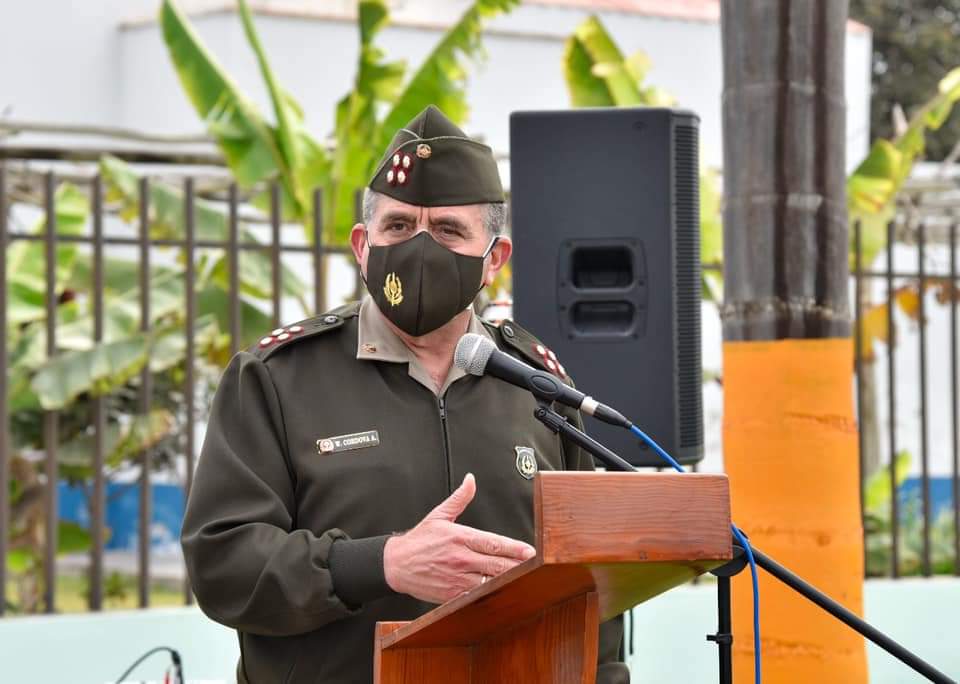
(741, 537)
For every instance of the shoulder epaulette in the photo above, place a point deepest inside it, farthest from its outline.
(533, 351)
(287, 335)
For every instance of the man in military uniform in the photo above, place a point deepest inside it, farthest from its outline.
(350, 473)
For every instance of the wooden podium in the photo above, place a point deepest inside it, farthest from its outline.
(605, 542)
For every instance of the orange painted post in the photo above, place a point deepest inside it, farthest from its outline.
(790, 451)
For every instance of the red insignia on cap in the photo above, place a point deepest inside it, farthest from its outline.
(400, 167)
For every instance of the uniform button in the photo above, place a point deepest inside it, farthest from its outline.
(283, 336)
(330, 319)
(277, 331)
(508, 331)
(541, 349)
(294, 329)
(266, 341)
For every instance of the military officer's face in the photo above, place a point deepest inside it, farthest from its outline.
(458, 228)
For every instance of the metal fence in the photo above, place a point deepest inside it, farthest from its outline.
(889, 526)
(98, 242)
(893, 279)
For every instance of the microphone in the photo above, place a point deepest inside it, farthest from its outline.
(477, 355)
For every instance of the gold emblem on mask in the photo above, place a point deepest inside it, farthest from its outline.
(393, 289)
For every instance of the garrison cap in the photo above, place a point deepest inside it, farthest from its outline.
(430, 162)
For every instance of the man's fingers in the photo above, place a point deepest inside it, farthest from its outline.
(490, 544)
(456, 503)
(488, 566)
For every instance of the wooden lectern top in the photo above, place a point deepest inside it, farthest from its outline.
(605, 542)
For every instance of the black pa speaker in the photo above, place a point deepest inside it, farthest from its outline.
(606, 229)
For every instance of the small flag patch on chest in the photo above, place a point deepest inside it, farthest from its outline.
(357, 440)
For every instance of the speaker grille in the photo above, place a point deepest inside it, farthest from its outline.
(687, 290)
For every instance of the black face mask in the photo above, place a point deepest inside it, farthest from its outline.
(420, 285)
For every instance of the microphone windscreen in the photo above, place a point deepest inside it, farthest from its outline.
(472, 353)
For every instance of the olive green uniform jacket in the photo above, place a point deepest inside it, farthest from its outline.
(284, 541)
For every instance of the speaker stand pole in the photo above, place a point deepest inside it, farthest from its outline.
(558, 424)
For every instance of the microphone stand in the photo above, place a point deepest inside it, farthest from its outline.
(724, 636)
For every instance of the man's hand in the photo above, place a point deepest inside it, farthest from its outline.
(439, 559)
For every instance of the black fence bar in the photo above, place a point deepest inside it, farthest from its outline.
(50, 418)
(4, 409)
(188, 374)
(858, 360)
(146, 386)
(98, 496)
(276, 211)
(925, 563)
(954, 433)
(892, 414)
(233, 259)
(319, 272)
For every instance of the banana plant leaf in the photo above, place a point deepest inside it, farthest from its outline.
(255, 150)
(246, 139)
(441, 78)
(874, 184)
(376, 82)
(98, 371)
(307, 163)
(254, 321)
(598, 74)
(122, 312)
(121, 441)
(167, 221)
(27, 263)
(170, 346)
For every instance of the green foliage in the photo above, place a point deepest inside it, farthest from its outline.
(874, 184)
(598, 75)
(246, 140)
(257, 150)
(913, 43)
(81, 369)
(877, 514)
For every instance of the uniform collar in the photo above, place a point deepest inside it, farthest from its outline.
(377, 342)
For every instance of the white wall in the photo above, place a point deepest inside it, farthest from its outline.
(669, 643)
(87, 64)
(58, 59)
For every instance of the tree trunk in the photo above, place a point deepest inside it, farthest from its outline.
(790, 436)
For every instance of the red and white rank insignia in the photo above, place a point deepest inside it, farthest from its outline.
(280, 335)
(550, 361)
(399, 171)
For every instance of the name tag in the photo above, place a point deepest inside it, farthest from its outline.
(358, 440)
